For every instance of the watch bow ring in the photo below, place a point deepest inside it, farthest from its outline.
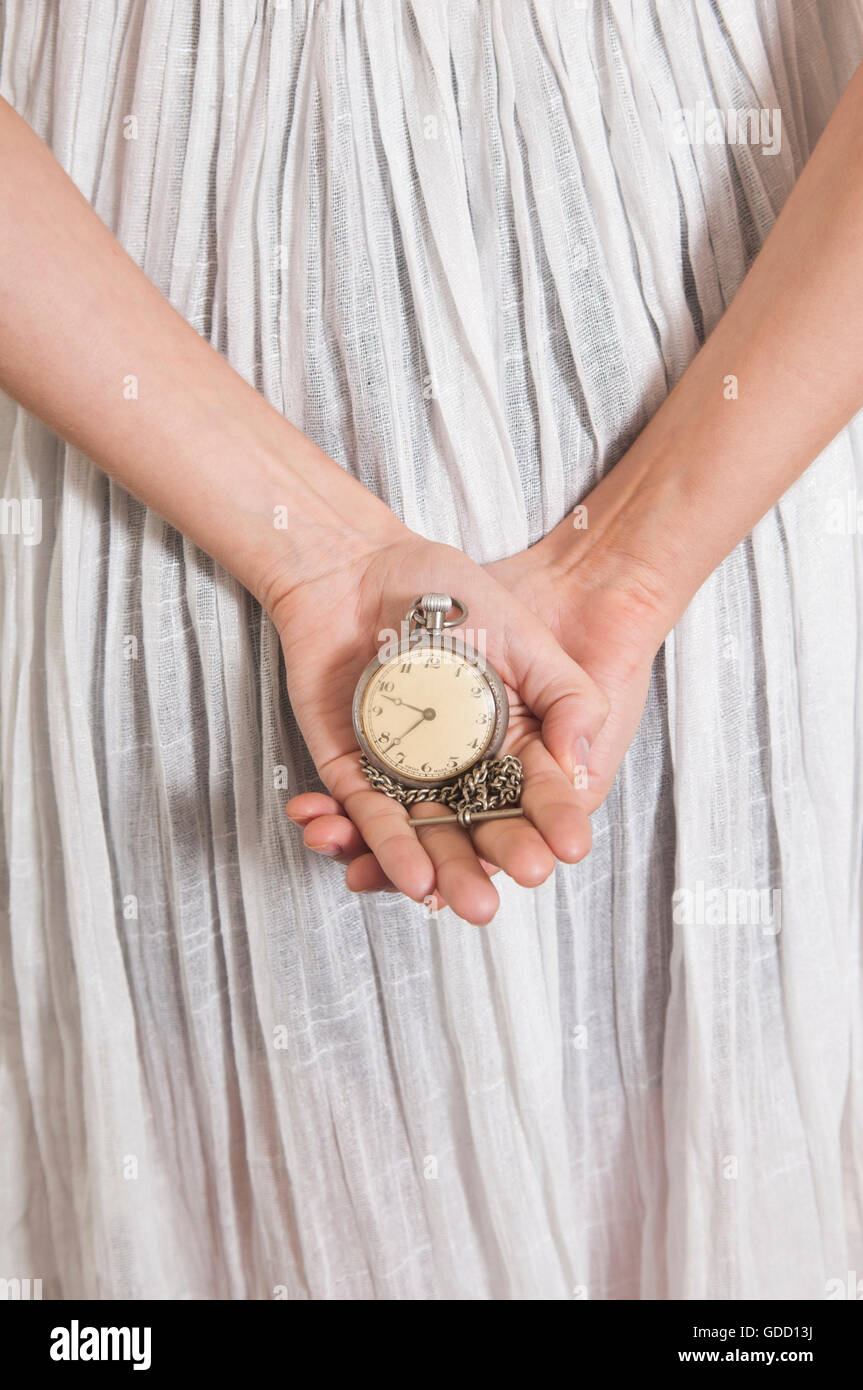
(430, 716)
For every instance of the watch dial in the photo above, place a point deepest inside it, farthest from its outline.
(428, 714)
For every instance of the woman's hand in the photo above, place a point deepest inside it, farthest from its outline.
(612, 628)
(778, 376)
(329, 625)
(610, 621)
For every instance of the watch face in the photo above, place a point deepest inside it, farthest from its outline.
(429, 714)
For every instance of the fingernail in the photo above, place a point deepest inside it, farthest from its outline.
(331, 850)
(579, 772)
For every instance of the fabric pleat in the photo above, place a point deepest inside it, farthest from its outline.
(454, 242)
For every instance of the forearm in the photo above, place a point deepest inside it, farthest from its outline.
(711, 463)
(91, 347)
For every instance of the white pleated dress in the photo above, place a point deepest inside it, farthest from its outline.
(460, 246)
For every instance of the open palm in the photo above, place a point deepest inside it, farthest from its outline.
(329, 627)
(613, 634)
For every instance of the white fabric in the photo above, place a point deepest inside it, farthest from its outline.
(456, 245)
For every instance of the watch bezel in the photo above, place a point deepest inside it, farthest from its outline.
(472, 657)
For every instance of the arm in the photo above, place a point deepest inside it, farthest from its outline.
(208, 453)
(706, 468)
(199, 444)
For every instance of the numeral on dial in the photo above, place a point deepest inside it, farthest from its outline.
(433, 717)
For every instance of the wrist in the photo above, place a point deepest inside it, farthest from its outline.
(635, 537)
(301, 516)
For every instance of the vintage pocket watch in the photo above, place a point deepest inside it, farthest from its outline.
(430, 717)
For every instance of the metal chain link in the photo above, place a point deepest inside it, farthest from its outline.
(493, 783)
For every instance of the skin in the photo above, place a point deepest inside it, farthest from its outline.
(573, 624)
(614, 634)
(703, 471)
(206, 451)
(552, 705)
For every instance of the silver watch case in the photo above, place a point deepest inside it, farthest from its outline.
(445, 643)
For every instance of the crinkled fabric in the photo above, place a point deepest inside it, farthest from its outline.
(460, 246)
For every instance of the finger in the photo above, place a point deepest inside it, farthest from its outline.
(572, 716)
(554, 806)
(339, 838)
(460, 877)
(556, 824)
(570, 706)
(448, 863)
(335, 836)
(517, 847)
(365, 875)
(383, 825)
(305, 807)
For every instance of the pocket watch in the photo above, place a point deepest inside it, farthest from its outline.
(430, 717)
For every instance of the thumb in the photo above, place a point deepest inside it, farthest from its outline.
(570, 706)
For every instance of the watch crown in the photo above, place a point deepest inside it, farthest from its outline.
(428, 612)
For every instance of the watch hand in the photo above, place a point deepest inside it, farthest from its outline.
(425, 714)
(394, 741)
(397, 700)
